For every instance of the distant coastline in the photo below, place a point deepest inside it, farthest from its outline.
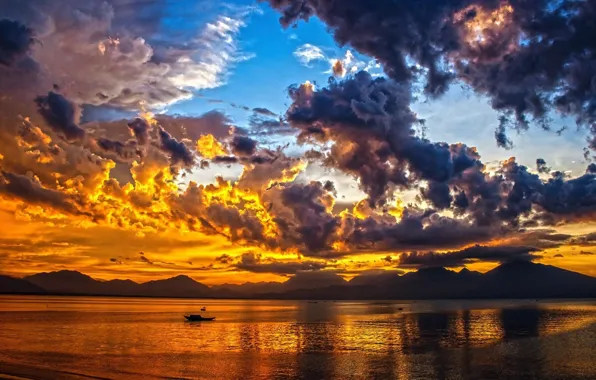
(281, 298)
(513, 280)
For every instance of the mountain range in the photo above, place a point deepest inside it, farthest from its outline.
(519, 279)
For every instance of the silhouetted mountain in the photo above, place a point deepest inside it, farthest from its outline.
(527, 279)
(510, 280)
(522, 279)
(18, 286)
(376, 278)
(469, 273)
(73, 282)
(119, 287)
(247, 289)
(65, 282)
(179, 286)
(313, 280)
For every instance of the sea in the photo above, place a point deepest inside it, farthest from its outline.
(46, 337)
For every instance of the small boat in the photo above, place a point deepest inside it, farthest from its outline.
(204, 308)
(197, 318)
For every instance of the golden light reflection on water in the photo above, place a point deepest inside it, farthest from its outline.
(116, 338)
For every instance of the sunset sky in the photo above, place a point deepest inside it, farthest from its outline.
(240, 141)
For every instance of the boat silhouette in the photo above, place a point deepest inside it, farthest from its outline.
(197, 318)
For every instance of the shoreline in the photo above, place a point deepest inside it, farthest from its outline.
(538, 299)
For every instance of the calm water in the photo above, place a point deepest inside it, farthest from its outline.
(78, 337)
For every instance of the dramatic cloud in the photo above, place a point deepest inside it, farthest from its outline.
(15, 41)
(141, 175)
(106, 53)
(140, 130)
(178, 152)
(243, 146)
(466, 256)
(254, 263)
(527, 57)
(541, 166)
(29, 189)
(267, 206)
(371, 124)
(61, 114)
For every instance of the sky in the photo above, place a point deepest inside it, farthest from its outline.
(242, 142)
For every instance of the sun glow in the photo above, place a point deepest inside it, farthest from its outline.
(209, 147)
(480, 23)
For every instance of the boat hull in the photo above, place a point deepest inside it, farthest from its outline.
(192, 318)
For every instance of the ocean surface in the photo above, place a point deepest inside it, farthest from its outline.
(140, 338)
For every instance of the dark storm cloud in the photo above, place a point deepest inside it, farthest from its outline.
(528, 57)
(387, 30)
(310, 225)
(60, 114)
(417, 231)
(177, 150)
(589, 237)
(224, 259)
(144, 259)
(370, 123)
(541, 238)
(501, 137)
(251, 262)
(591, 169)
(439, 194)
(15, 41)
(264, 111)
(329, 187)
(140, 129)
(513, 192)
(569, 198)
(541, 166)
(243, 146)
(466, 256)
(265, 126)
(28, 189)
(225, 160)
(124, 151)
(587, 240)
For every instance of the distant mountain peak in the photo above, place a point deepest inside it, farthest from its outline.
(180, 279)
(518, 265)
(61, 275)
(434, 270)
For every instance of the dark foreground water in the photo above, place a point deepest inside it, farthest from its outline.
(132, 338)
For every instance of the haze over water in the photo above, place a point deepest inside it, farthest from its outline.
(77, 337)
